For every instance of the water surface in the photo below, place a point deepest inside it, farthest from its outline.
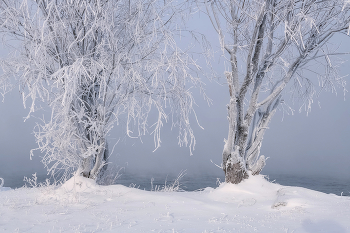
(193, 182)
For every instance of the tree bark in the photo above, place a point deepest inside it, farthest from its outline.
(235, 173)
(99, 162)
(86, 167)
(234, 167)
(95, 167)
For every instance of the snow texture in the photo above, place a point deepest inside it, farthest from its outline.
(255, 205)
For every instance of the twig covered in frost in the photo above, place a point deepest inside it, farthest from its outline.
(32, 182)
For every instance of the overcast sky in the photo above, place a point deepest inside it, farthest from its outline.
(317, 144)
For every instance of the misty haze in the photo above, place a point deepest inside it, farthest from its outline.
(175, 116)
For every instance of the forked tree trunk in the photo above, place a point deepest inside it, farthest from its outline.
(237, 163)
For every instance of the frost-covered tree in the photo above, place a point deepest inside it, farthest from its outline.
(94, 62)
(270, 45)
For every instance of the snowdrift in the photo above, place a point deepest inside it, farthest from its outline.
(255, 205)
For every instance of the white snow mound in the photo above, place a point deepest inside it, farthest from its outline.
(255, 205)
(79, 184)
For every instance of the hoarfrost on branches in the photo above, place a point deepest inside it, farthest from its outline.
(92, 62)
(269, 44)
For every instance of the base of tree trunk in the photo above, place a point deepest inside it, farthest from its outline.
(235, 174)
(88, 165)
(86, 174)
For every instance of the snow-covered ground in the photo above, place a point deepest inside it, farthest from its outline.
(255, 205)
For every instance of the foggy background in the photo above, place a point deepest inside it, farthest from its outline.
(317, 145)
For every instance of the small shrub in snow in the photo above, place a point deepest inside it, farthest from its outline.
(171, 186)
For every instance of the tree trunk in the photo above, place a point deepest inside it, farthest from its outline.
(94, 166)
(234, 166)
(99, 162)
(235, 173)
(86, 166)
